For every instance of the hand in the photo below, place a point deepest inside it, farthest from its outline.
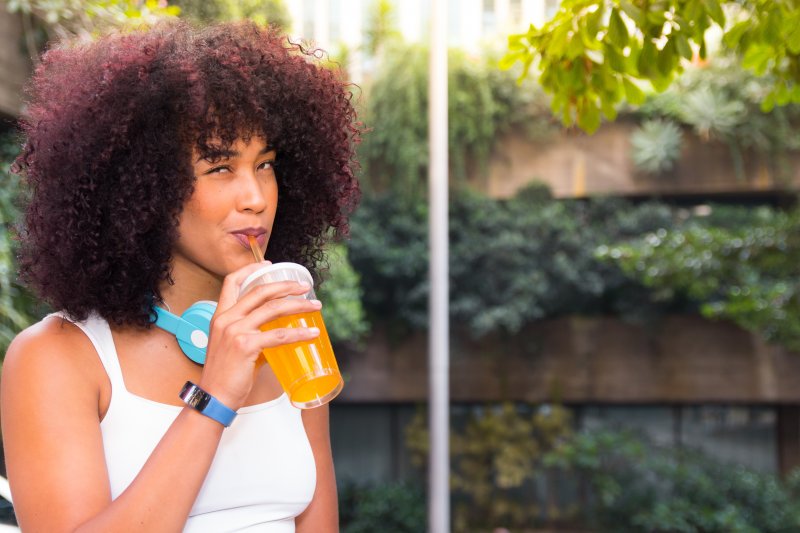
(235, 340)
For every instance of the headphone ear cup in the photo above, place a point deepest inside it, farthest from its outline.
(193, 332)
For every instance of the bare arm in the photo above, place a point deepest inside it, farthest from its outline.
(322, 514)
(51, 427)
(54, 447)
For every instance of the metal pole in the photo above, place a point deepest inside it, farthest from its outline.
(439, 338)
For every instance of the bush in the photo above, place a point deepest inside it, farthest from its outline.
(395, 507)
(636, 487)
(18, 307)
(511, 262)
(737, 265)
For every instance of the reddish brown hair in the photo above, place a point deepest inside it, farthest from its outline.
(110, 127)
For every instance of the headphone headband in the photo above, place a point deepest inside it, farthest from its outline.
(190, 329)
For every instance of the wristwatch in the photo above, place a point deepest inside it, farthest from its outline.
(200, 400)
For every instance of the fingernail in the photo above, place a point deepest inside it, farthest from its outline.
(314, 331)
(305, 284)
(316, 303)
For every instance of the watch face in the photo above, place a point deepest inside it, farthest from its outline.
(195, 397)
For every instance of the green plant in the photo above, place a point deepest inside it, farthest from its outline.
(18, 308)
(395, 507)
(722, 101)
(637, 487)
(511, 262)
(495, 457)
(746, 274)
(342, 294)
(381, 27)
(592, 53)
(482, 103)
(273, 12)
(656, 146)
(72, 18)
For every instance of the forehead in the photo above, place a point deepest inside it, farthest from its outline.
(217, 148)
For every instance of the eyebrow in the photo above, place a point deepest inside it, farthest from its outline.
(226, 153)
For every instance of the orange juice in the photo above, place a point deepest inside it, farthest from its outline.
(306, 370)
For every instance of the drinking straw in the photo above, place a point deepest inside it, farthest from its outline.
(257, 255)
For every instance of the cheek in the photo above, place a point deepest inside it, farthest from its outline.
(206, 204)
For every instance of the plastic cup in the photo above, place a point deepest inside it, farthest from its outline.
(306, 370)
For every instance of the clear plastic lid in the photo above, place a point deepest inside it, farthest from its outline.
(276, 272)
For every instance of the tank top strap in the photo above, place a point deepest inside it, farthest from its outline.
(99, 333)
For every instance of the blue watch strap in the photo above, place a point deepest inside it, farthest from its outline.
(200, 400)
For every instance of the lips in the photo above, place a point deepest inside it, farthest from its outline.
(242, 235)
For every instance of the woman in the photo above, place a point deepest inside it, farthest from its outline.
(152, 156)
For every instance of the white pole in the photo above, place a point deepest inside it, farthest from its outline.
(439, 339)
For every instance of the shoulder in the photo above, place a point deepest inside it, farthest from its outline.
(53, 353)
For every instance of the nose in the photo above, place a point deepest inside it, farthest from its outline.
(252, 195)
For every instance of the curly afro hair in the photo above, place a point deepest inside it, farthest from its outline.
(110, 128)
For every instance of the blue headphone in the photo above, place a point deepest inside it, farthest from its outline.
(191, 328)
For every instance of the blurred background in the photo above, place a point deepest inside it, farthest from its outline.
(624, 254)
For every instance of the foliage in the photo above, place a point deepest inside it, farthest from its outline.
(656, 146)
(273, 12)
(723, 101)
(395, 507)
(511, 262)
(594, 53)
(84, 18)
(380, 27)
(497, 453)
(516, 261)
(341, 292)
(395, 153)
(636, 487)
(747, 274)
(18, 308)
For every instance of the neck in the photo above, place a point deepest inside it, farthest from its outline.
(191, 284)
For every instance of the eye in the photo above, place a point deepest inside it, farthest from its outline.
(218, 170)
(270, 163)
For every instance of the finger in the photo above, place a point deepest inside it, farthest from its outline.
(281, 336)
(278, 308)
(255, 342)
(265, 293)
(230, 286)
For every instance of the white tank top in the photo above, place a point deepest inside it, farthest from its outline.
(263, 474)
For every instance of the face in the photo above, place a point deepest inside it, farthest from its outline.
(235, 196)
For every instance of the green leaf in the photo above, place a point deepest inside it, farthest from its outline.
(633, 12)
(617, 31)
(614, 59)
(510, 59)
(661, 83)
(588, 116)
(757, 58)
(694, 11)
(703, 53)
(515, 42)
(772, 29)
(666, 58)
(646, 63)
(714, 11)
(609, 110)
(733, 36)
(682, 45)
(793, 39)
(575, 46)
(593, 21)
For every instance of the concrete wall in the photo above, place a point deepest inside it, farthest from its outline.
(575, 164)
(683, 359)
